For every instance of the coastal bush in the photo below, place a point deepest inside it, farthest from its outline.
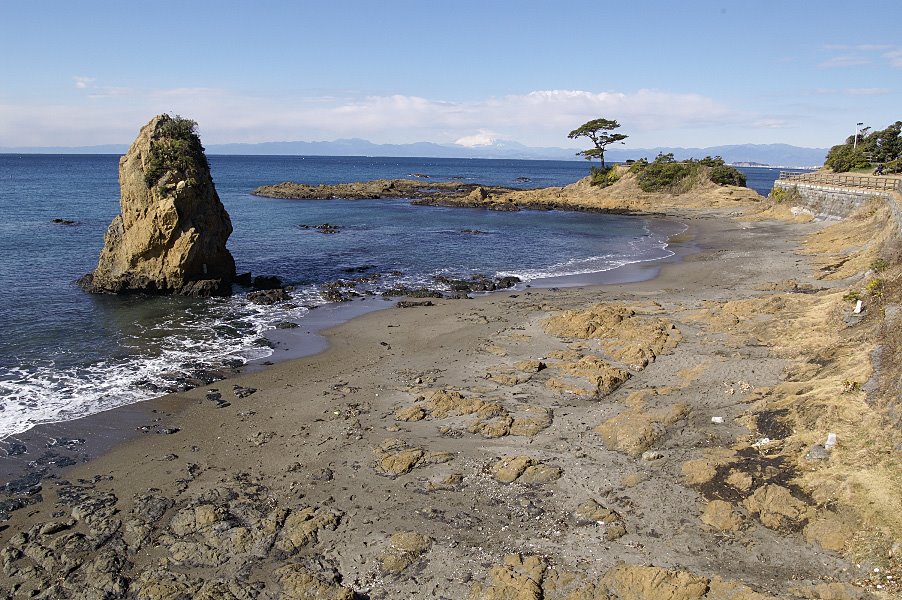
(667, 174)
(638, 165)
(781, 195)
(723, 174)
(879, 264)
(875, 286)
(844, 158)
(603, 177)
(893, 166)
(175, 147)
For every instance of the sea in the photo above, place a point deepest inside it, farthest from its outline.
(65, 354)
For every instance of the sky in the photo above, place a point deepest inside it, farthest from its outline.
(690, 73)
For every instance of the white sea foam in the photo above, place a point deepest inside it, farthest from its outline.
(222, 332)
(637, 250)
(229, 333)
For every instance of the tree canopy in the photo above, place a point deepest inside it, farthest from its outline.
(883, 146)
(599, 131)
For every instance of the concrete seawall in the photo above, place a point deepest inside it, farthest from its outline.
(831, 202)
(895, 201)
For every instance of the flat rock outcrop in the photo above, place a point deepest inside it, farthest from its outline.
(379, 188)
(170, 236)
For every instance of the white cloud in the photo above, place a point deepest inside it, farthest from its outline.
(770, 123)
(84, 83)
(858, 47)
(538, 118)
(862, 54)
(894, 57)
(870, 91)
(844, 61)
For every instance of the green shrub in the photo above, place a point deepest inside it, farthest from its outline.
(727, 175)
(879, 264)
(781, 195)
(603, 177)
(722, 173)
(875, 287)
(844, 158)
(175, 147)
(666, 174)
(638, 165)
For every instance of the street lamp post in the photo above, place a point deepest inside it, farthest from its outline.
(857, 129)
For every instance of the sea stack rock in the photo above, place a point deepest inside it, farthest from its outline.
(170, 237)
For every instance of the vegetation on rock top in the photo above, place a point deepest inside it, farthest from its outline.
(665, 174)
(175, 146)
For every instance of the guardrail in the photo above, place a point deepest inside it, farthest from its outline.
(869, 182)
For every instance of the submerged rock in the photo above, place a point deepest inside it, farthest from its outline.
(267, 297)
(326, 228)
(170, 236)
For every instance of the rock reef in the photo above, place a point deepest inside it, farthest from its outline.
(170, 236)
(378, 188)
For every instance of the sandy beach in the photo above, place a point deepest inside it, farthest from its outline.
(630, 440)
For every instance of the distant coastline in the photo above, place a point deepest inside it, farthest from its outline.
(757, 155)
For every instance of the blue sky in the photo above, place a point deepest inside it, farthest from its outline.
(672, 73)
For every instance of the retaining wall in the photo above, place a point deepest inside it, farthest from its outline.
(895, 202)
(833, 202)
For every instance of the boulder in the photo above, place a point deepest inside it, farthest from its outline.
(170, 236)
(268, 297)
(266, 282)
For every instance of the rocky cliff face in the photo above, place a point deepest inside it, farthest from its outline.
(170, 237)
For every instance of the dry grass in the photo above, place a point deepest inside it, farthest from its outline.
(848, 248)
(834, 386)
(838, 382)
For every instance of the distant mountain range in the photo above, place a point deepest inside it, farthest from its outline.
(782, 155)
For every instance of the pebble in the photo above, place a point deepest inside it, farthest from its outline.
(650, 455)
(243, 392)
(817, 452)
